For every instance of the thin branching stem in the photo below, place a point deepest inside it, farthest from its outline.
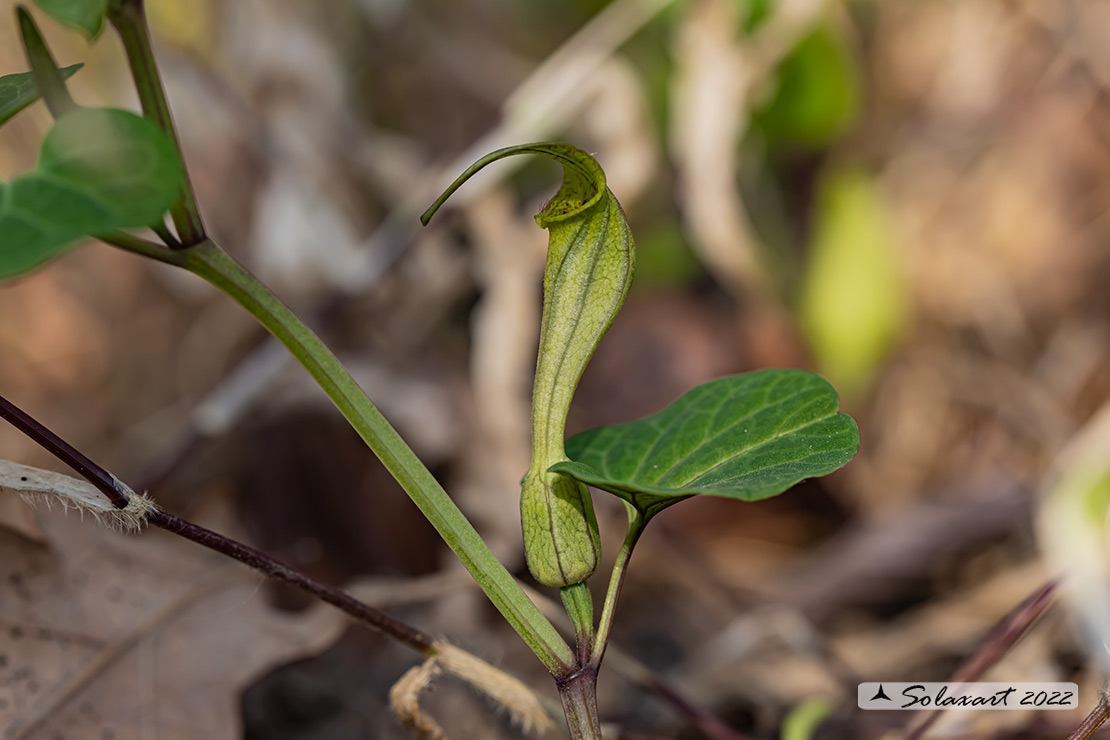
(1002, 638)
(1095, 719)
(636, 524)
(129, 19)
(118, 494)
(107, 483)
(138, 245)
(379, 620)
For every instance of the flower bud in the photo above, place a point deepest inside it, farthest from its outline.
(561, 540)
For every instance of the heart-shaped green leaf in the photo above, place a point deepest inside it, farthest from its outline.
(87, 16)
(18, 91)
(748, 437)
(99, 169)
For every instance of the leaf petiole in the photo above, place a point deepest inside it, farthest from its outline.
(636, 523)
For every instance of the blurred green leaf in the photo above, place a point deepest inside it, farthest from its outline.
(817, 95)
(18, 91)
(747, 437)
(753, 13)
(86, 16)
(804, 719)
(99, 169)
(852, 305)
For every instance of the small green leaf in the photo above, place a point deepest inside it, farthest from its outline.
(87, 16)
(18, 91)
(99, 169)
(747, 437)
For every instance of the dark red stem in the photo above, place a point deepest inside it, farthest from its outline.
(118, 494)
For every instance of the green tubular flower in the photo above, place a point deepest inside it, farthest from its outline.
(590, 259)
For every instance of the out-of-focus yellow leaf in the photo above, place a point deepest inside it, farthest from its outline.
(853, 305)
(188, 25)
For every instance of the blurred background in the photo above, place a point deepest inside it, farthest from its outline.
(909, 198)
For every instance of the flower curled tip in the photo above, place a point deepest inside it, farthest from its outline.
(583, 180)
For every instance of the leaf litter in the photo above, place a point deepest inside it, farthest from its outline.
(108, 635)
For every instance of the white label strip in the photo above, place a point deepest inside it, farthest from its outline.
(908, 695)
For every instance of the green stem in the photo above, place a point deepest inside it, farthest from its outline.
(214, 265)
(138, 245)
(129, 19)
(636, 523)
(580, 608)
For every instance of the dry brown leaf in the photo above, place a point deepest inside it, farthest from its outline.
(107, 635)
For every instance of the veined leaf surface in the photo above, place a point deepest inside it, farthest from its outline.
(747, 437)
(18, 91)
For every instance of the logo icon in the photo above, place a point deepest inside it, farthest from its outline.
(880, 694)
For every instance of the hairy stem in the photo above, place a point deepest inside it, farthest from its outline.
(129, 19)
(214, 265)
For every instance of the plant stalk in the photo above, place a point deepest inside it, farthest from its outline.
(580, 608)
(999, 642)
(1095, 719)
(210, 262)
(636, 523)
(578, 694)
(129, 19)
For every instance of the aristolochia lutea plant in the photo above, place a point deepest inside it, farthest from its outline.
(116, 176)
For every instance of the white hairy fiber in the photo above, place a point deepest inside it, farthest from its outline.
(35, 485)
